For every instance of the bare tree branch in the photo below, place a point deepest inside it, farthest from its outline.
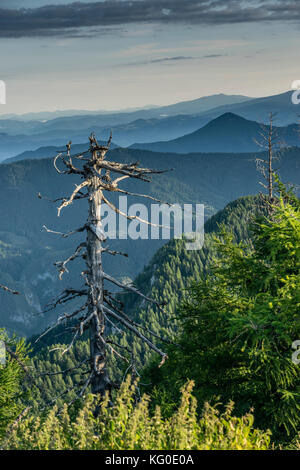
(136, 331)
(65, 235)
(96, 172)
(7, 289)
(61, 265)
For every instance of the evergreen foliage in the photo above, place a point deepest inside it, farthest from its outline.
(11, 375)
(232, 311)
(239, 323)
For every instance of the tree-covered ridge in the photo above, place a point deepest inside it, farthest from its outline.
(232, 323)
(173, 268)
(239, 323)
(167, 279)
(28, 254)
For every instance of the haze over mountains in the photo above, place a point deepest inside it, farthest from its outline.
(47, 129)
(49, 152)
(184, 107)
(227, 133)
(149, 125)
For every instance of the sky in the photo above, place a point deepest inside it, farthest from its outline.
(119, 54)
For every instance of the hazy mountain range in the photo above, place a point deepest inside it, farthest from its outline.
(184, 107)
(149, 125)
(227, 133)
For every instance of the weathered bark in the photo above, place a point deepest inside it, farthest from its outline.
(269, 143)
(94, 313)
(95, 237)
(270, 163)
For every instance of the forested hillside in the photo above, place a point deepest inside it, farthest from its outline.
(230, 317)
(166, 278)
(27, 254)
(239, 324)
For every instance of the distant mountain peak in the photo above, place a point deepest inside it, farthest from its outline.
(229, 117)
(227, 133)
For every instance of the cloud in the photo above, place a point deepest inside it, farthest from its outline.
(162, 60)
(57, 20)
(170, 60)
(213, 56)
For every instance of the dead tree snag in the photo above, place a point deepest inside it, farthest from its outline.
(100, 307)
(270, 143)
